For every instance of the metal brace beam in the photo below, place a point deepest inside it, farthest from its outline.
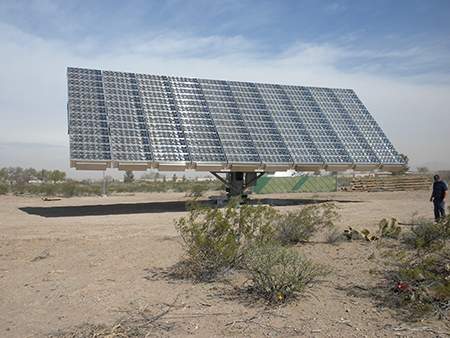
(230, 185)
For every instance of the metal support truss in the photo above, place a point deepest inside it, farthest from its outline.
(237, 182)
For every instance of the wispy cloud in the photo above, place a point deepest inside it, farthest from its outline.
(335, 7)
(31, 146)
(175, 46)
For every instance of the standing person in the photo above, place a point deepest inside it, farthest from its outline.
(439, 196)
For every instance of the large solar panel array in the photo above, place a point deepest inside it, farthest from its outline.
(137, 121)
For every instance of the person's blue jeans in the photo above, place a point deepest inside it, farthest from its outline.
(439, 209)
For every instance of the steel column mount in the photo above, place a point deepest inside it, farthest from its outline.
(133, 121)
(237, 182)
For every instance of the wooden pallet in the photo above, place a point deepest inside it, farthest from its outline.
(391, 183)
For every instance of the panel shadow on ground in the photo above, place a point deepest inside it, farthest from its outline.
(147, 208)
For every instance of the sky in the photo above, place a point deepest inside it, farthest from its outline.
(395, 54)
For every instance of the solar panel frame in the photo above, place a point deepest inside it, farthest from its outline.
(141, 121)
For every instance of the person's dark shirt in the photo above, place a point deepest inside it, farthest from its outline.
(439, 189)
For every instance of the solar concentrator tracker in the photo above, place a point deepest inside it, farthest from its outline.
(137, 121)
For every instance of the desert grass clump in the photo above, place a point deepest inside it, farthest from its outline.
(279, 272)
(302, 225)
(334, 236)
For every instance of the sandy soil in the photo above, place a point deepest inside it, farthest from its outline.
(97, 260)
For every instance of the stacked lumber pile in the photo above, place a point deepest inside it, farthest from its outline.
(391, 183)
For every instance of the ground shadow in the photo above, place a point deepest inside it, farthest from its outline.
(144, 208)
(106, 209)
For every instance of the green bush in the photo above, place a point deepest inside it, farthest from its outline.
(197, 189)
(3, 189)
(280, 272)
(18, 188)
(34, 189)
(69, 189)
(300, 226)
(48, 189)
(216, 238)
(79, 189)
(428, 236)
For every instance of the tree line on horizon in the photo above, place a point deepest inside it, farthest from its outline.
(17, 180)
(20, 175)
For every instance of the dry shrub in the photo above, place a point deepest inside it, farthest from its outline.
(280, 272)
(302, 225)
(244, 238)
(216, 238)
(139, 323)
(334, 236)
(416, 274)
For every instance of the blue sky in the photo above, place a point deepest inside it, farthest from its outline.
(393, 54)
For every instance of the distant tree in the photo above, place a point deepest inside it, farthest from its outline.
(128, 177)
(174, 178)
(17, 174)
(157, 175)
(43, 175)
(57, 176)
(28, 175)
(31, 172)
(11, 174)
(3, 175)
(422, 170)
(405, 168)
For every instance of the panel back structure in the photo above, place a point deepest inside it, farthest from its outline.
(138, 121)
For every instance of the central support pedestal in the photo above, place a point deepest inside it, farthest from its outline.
(237, 182)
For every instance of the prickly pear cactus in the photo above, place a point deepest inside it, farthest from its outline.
(390, 228)
(357, 235)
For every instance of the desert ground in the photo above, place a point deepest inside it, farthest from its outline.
(107, 261)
